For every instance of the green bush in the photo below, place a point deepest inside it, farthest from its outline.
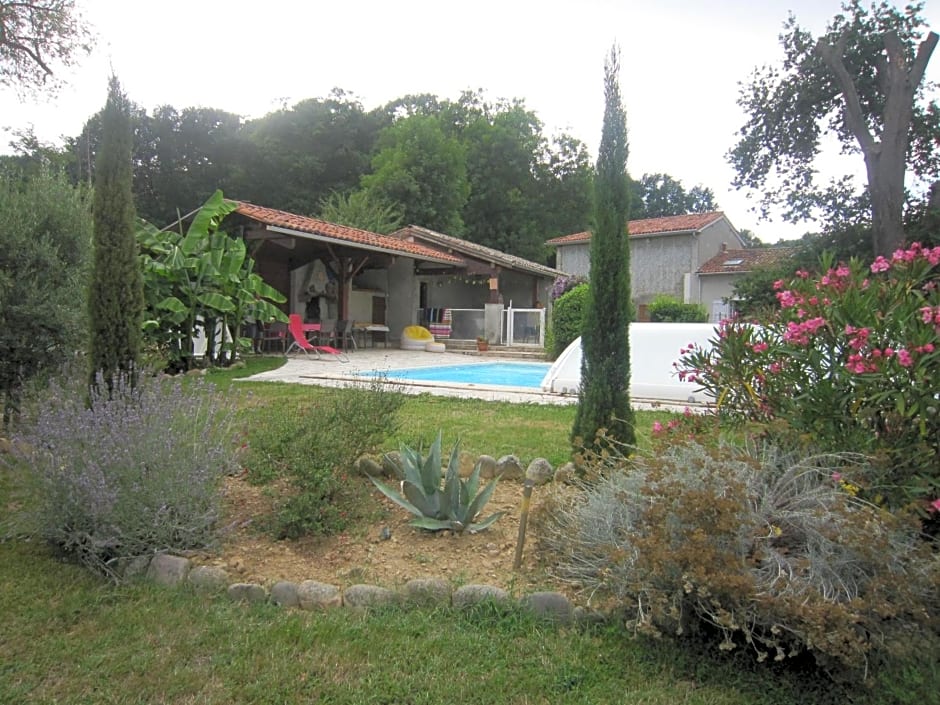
(128, 476)
(568, 318)
(45, 245)
(314, 445)
(668, 309)
(771, 549)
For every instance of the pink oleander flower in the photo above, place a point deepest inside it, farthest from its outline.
(776, 367)
(759, 347)
(933, 256)
(778, 285)
(880, 265)
(837, 477)
(842, 271)
(904, 358)
(934, 506)
(786, 299)
(802, 274)
(657, 427)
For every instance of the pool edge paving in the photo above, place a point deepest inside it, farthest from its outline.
(332, 373)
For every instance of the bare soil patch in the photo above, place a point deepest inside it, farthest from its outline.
(362, 555)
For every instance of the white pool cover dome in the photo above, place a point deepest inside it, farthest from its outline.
(654, 347)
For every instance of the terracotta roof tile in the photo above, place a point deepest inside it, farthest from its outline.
(731, 261)
(692, 222)
(478, 251)
(342, 233)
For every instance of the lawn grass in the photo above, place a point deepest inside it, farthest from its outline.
(68, 638)
(483, 427)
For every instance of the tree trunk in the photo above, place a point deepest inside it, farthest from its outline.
(885, 160)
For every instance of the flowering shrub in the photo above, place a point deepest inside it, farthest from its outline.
(769, 548)
(128, 476)
(852, 359)
(562, 285)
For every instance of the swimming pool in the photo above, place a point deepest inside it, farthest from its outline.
(500, 374)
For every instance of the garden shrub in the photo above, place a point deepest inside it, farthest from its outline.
(668, 309)
(772, 549)
(850, 359)
(568, 318)
(128, 476)
(314, 445)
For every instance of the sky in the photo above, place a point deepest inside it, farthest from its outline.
(682, 62)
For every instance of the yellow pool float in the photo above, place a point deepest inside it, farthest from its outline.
(415, 338)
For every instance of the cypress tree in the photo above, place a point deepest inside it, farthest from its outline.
(604, 399)
(116, 295)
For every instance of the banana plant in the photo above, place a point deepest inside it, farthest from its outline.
(454, 506)
(200, 278)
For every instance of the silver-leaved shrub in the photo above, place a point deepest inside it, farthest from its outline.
(129, 476)
(772, 550)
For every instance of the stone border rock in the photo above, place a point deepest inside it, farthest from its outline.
(310, 595)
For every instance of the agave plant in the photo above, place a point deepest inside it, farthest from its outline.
(455, 506)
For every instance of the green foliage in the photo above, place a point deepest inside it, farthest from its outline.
(45, 247)
(881, 111)
(604, 400)
(314, 444)
(423, 170)
(767, 548)
(455, 506)
(126, 474)
(568, 317)
(850, 359)
(362, 209)
(36, 37)
(116, 298)
(203, 279)
(668, 309)
(659, 195)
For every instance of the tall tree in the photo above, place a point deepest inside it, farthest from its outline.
(604, 399)
(35, 38)
(362, 209)
(658, 195)
(423, 170)
(116, 298)
(861, 82)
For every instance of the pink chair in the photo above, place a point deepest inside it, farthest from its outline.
(296, 328)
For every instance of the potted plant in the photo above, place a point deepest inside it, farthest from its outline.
(482, 344)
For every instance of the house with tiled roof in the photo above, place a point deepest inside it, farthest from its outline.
(717, 276)
(666, 255)
(333, 271)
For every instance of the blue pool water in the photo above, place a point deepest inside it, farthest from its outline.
(503, 374)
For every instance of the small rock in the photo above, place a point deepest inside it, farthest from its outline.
(469, 595)
(552, 606)
(136, 566)
(165, 569)
(427, 592)
(246, 592)
(369, 467)
(539, 471)
(385, 534)
(466, 464)
(317, 596)
(208, 577)
(566, 473)
(196, 372)
(284, 594)
(510, 468)
(487, 467)
(365, 596)
(391, 462)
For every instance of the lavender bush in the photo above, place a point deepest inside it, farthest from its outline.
(128, 476)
